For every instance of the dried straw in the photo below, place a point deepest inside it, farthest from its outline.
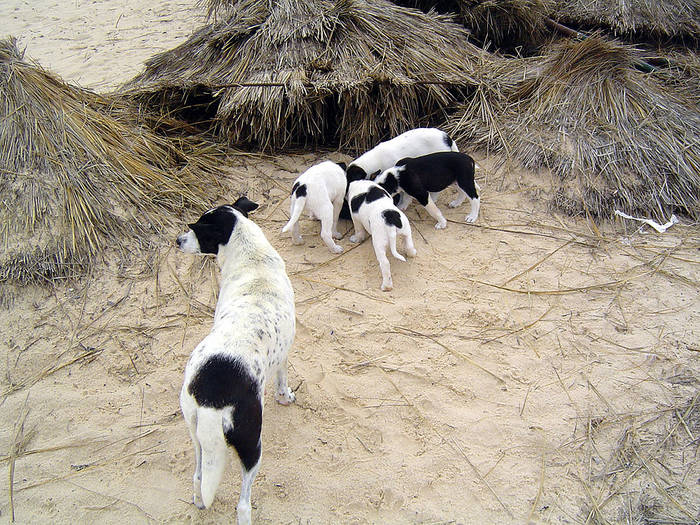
(77, 174)
(349, 72)
(651, 19)
(614, 136)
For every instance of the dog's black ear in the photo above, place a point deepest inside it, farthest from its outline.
(342, 165)
(245, 205)
(375, 175)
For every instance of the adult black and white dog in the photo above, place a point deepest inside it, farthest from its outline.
(321, 191)
(423, 178)
(374, 211)
(222, 395)
(412, 143)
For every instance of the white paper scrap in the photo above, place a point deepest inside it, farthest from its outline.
(661, 228)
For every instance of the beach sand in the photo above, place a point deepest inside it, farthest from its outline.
(529, 368)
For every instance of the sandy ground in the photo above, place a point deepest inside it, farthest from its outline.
(529, 368)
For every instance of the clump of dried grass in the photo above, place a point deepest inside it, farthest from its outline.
(507, 24)
(349, 72)
(650, 19)
(613, 136)
(77, 174)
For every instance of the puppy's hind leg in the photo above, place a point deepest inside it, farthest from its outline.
(243, 510)
(468, 186)
(326, 215)
(380, 244)
(337, 206)
(405, 231)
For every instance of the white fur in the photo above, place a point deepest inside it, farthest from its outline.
(368, 219)
(325, 189)
(412, 143)
(255, 295)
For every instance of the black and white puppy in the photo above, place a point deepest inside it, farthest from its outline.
(222, 395)
(321, 191)
(373, 211)
(412, 143)
(423, 178)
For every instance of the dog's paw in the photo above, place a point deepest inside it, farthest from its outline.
(354, 238)
(387, 287)
(454, 204)
(298, 241)
(286, 398)
(337, 235)
(471, 218)
(198, 503)
(412, 252)
(337, 249)
(441, 225)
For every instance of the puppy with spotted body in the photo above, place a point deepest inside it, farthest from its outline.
(423, 178)
(412, 143)
(321, 191)
(254, 324)
(373, 211)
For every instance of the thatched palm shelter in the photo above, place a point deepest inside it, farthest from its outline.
(636, 19)
(509, 25)
(614, 136)
(74, 179)
(345, 72)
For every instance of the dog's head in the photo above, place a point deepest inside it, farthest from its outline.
(214, 227)
(389, 180)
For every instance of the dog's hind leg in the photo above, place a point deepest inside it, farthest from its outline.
(379, 242)
(468, 188)
(242, 430)
(326, 215)
(408, 238)
(337, 206)
(243, 510)
(296, 207)
(284, 394)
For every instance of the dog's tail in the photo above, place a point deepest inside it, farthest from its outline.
(214, 451)
(297, 209)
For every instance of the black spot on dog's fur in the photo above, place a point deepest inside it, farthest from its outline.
(222, 382)
(357, 201)
(376, 193)
(294, 188)
(245, 434)
(448, 140)
(354, 173)
(345, 211)
(390, 183)
(214, 228)
(392, 218)
(245, 205)
(300, 191)
(342, 165)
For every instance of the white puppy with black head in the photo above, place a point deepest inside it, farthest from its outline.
(423, 178)
(320, 190)
(373, 211)
(222, 395)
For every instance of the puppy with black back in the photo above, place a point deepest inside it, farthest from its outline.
(423, 178)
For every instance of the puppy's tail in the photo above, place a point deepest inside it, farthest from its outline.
(392, 244)
(214, 451)
(297, 209)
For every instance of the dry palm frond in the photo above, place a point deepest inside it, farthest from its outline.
(614, 137)
(654, 19)
(74, 178)
(506, 24)
(349, 72)
(509, 25)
